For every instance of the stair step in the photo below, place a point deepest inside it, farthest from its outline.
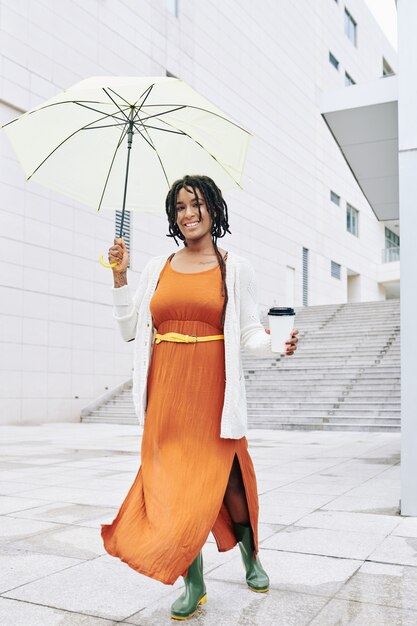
(313, 412)
(345, 427)
(333, 420)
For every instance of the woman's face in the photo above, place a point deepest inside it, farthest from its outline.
(187, 213)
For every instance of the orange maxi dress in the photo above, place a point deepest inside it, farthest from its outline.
(176, 498)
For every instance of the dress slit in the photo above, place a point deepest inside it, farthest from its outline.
(252, 501)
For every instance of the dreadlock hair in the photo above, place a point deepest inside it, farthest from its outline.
(217, 209)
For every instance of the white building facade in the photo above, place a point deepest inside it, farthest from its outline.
(302, 219)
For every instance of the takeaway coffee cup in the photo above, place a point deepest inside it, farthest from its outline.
(281, 323)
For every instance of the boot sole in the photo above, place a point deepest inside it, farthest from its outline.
(259, 590)
(202, 600)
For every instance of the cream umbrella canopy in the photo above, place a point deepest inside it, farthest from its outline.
(118, 142)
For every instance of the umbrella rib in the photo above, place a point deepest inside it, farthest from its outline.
(122, 136)
(113, 115)
(53, 104)
(205, 150)
(119, 96)
(106, 126)
(165, 130)
(157, 154)
(140, 133)
(182, 106)
(190, 106)
(62, 143)
(144, 95)
(115, 103)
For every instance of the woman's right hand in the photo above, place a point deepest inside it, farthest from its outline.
(118, 254)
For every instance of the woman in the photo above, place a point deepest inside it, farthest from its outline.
(189, 317)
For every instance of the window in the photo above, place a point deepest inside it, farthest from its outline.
(386, 68)
(305, 277)
(333, 60)
(350, 27)
(352, 219)
(335, 270)
(391, 238)
(334, 198)
(172, 6)
(126, 228)
(392, 246)
(349, 80)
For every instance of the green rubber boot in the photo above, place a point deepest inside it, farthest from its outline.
(256, 577)
(194, 593)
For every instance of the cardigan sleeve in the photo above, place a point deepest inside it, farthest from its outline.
(126, 307)
(253, 336)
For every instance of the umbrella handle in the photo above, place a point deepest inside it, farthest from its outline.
(107, 265)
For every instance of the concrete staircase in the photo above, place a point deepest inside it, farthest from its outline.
(344, 376)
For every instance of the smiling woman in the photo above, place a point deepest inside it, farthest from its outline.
(198, 199)
(196, 473)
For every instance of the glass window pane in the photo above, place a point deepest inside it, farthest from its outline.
(349, 80)
(350, 27)
(333, 60)
(352, 220)
(172, 6)
(334, 197)
(335, 269)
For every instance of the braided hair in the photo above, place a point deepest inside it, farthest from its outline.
(217, 209)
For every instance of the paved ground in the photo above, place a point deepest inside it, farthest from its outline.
(332, 541)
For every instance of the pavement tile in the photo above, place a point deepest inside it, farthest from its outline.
(379, 583)
(373, 488)
(379, 504)
(15, 613)
(19, 567)
(229, 604)
(9, 488)
(284, 515)
(265, 485)
(103, 587)
(79, 495)
(339, 543)
(12, 504)
(104, 483)
(400, 550)
(68, 513)
(40, 477)
(281, 474)
(38, 456)
(77, 542)
(317, 484)
(64, 476)
(288, 499)
(14, 528)
(386, 454)
(345, 613)
(346, 520)
(304, 573)
(407, 527)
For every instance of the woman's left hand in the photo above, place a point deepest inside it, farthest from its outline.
(291, 343)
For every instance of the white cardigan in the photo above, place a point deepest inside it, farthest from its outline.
(242, 328)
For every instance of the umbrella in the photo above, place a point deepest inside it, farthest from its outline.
(84, 142)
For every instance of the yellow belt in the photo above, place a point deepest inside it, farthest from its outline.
(179, 337)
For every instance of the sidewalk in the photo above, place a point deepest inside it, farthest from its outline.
(332, 541)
